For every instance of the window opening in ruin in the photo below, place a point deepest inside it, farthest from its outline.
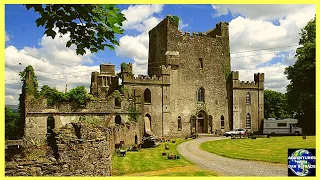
(179, 123)
(51, 137)
(201, 94)
(248, 98)
(118, 119)
(117, 102)
(147, 96)
(135, 139)
(222, 122)
(200, 63)
(147, 125)
(77, 130)
(50, 125)
(248, 121)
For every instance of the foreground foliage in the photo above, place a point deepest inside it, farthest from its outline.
(90, 26)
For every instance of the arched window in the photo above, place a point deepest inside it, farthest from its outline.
(248, 98)
(179, 123)
(248, 121)
(117, 102)
(147, 96)
(201, 94)
(118, 120)
(222, 122)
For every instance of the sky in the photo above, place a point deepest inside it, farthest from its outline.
(263, 38)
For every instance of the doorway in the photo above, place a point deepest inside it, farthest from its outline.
(202, 122)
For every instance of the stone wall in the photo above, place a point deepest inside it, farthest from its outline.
(256, 106)
(76, 149)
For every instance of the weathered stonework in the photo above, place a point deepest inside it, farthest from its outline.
(189, 81)
(78, 149)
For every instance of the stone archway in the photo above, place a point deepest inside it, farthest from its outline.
(202, 122)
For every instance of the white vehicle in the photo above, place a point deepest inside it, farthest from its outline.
(235, 131)
(282, 126)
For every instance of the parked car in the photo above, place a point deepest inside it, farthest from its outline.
(235, 131)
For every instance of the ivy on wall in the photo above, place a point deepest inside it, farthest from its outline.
(226, 70)
(174, 19)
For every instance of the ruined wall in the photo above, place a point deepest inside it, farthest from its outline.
(69, 155)
(78, 149)
(37, 114)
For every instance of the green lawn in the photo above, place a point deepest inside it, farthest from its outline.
(274, 149)
(150, 162)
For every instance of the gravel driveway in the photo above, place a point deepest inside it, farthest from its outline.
(227, 166)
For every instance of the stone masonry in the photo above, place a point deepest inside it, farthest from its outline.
(189, 88)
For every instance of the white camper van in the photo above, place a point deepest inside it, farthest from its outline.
(282, 126)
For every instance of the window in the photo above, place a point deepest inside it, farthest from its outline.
(179, 123)
(222, 122)
(282, 124)
(147, 96)
(201, 94)
(117, 102)
(200, 63)
(118, 120)
(248, 121)
(248, 98)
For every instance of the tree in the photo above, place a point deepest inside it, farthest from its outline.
(275, 105)
(90, 27)
(12, 127)
(52, 95)
(301, 89)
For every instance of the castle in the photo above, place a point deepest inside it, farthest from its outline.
(189, 89)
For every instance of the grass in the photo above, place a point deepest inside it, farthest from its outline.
(274, 149)
(150, 162)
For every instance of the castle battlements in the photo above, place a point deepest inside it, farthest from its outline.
(142, 79)
(258, 82)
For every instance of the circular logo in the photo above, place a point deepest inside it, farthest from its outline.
(301, 162)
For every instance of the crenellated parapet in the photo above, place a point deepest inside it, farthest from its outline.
(165, 70)
(256, 84)
(141, 79)
(126, 67)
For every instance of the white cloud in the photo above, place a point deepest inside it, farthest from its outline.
(141, 19)
(54, 65)
(182, 25)
(262, 11)
(139, 13)
(274, 77)
(7, 36)
(55, 51)
(251, 31)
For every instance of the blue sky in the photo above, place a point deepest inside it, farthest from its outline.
(263, 38)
